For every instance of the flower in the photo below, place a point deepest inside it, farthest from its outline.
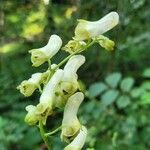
(78, 141)
(27, 87)
(41, 55)
(48, 95)
(73, 46)
(69, 82)
(31, 117)
(105, 42)
(88, 29)
(70, 123)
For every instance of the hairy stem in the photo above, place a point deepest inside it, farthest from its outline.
(42, 132)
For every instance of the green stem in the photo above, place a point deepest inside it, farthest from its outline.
(39, 87)
(56, 130)
(42, 132)
(49, 64)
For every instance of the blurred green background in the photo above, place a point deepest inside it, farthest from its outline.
(116, 110)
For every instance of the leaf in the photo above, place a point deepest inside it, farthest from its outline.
(146, 73)
(127, 84)
(145, 99)
(136, 92)
(113, 79)
(109, 97)
(96, 89)
(146, 85)
(123, 101)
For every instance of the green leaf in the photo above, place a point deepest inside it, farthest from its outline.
(123, 101)
(113, 79)
(127, 84)
(136, 92)
(96, 89)
(145, 99)
(109, 97)
(146, 73)
(146, 85)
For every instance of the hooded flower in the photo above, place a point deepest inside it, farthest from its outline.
(31, 117)
(48, 94)
(27, 87)
(41, 55)
(78, 141)
(70, 123)
(69, 83)
(88, 29)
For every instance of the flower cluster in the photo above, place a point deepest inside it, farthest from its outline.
(60, 87)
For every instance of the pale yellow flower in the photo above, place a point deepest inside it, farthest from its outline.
(27, 87)
(48, 95)
(31, 117)
(41, 55)
(69, 83)
(88, 29)
(70, 123)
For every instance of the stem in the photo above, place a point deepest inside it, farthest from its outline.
(49, 64)
(39, 87)
(56, 130)
(42, 132)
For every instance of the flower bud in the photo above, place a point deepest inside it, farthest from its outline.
(105, 42)
(31, 117)
(41, 55)
(78, 141)
(70, 123)
(88, 29)
(27, 87)
(73, 46)
(48, 95)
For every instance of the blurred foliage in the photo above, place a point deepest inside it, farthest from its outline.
(116, 110)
